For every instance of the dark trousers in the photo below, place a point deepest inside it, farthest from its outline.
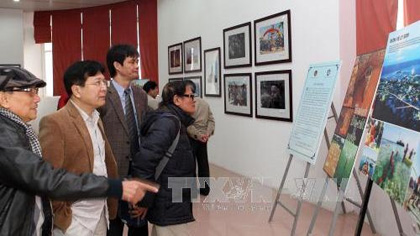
(116, 227)
(200, 153)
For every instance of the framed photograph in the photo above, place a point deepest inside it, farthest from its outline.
(175, 59)
(175, 79)
(238, 96)
(273, 39)
(273, 95)
(13, 65)
(212, 73)
(192, 55)
(198, 85)
(237, 46)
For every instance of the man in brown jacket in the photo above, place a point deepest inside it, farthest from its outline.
(73, 138)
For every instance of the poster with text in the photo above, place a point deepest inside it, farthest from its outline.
(398, 95)
(397, 105)
(313, 111)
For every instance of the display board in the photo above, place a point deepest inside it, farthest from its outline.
(313, 110)
(357, 102)
(391, 152)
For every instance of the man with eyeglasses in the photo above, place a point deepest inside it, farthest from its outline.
(73, 138)
(122, 117)
(26, 180)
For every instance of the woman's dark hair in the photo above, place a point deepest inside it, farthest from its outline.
(78, 73)
(170, 90)
(191, 84)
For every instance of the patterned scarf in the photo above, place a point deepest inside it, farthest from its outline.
(36, 148)
(33, 140)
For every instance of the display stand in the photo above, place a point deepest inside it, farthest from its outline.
(397, 217)
(340, 200)
(299, 205)
(359, 187)
(363, 211)
(278, 202)
(363, 208)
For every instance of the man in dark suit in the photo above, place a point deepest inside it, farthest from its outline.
(123, 100)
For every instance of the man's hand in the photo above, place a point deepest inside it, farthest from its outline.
(134, 190)
(136, 211)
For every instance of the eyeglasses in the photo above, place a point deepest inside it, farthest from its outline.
(99, 83)
(33, 91)
(192, 96)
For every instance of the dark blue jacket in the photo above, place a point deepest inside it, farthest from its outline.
(157, 134)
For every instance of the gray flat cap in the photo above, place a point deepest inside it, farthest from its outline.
(15, 77)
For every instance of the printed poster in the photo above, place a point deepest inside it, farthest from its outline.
(352, 119)
(313, 111)
(397, 105)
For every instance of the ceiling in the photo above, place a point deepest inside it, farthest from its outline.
(41, 5)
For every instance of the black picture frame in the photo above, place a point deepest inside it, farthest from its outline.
(175, 79)
(273, 39)
(212, 73)
(198, 84)
(238, 94)
(237, 46)
(175, 62)
(192, 55)
(11, 65)
(273, 95)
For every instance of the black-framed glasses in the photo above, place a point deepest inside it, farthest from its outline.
(99, 83)
(26, 90)
(192, 96)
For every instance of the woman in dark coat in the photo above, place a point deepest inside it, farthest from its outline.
(169, 211)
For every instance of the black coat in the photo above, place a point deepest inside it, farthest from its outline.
(23, 175)
(157, 134)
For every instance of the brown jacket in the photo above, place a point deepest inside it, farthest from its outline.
(112, 114)
(66, 143)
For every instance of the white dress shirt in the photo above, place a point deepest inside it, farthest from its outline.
(88, 212)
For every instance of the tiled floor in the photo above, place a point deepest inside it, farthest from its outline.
(243, 218)
(236, 218)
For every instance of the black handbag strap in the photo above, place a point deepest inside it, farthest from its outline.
(168, 154)
(166, 157)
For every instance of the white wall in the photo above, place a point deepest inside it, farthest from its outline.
(11, 40)
(33, 52)
(249, 146)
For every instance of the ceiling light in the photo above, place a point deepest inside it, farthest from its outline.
(16, 0)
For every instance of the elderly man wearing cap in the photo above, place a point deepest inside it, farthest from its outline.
(26, 181)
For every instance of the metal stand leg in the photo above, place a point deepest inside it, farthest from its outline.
(343, 207)
(280, 188)
(318, 206)
(334, 112)
(335, 215)
(359, 187)
(300, 199)
(397, 217)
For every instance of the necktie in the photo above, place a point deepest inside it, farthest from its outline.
(131, 123)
